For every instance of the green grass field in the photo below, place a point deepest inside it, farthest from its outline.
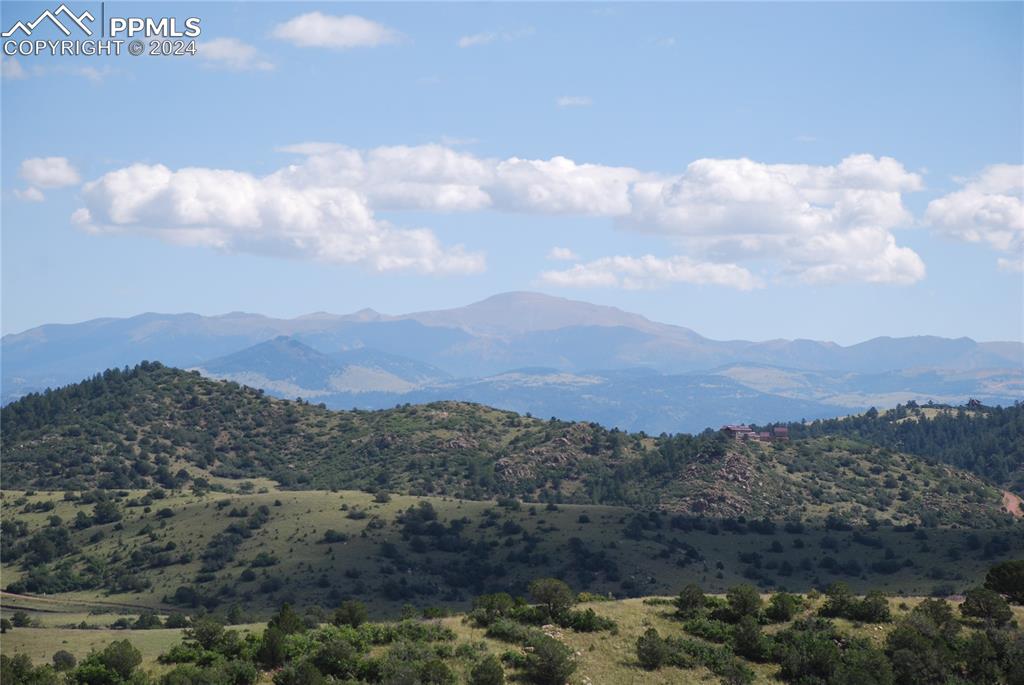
(376, 563)
(606, 658)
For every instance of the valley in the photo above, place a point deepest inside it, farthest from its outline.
(195, 517)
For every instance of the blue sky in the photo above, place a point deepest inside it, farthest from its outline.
(828, 171)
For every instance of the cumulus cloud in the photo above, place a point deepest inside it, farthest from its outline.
(823, 223)
(30, 195)
(811, 223)
(574, 101)
(318, 30)
(233, 54)
(561, 186)
(425, 177)
(649, 271)
(987, 209)
(282, 214)
(49, 172)
(562, 254)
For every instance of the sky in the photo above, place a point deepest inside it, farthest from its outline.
(811, 170)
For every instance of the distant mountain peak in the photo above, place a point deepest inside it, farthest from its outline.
(519, 312)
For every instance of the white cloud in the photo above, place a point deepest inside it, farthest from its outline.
(987, 209)
(823, 223)
(49, 172)
(649, 271)
(30, 195)
(476, 39)
(562, 254)
(487, 37)
(11, 68)
(817, 224)
(574, 101)
(231, 53)
(561, 186)
(283, 214)
(318, 30)
(428, 177)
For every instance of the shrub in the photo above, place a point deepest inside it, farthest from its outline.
(1007, 579)
(744, 600)
(487, 608)
(121, 657)
(487, 671)
(586, 621)
(303, 673)
(205, 631)
(332, 536)
(287, 620)
(147, 620)
(838, 600)
(350, 613)
(555, 595)
(64, 660)
(782, 607)
(176, 621)
(806, 654)
(271, 651)
(651, 650)
(337, 658)
(874, 608)
(986, 605)
(747, 639)
(862, 664)
(508, 630)
(690, 601)
(550, 662)
(709, 629)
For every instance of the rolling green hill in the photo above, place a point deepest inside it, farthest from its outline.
(154, 487)
(988, 441)
(154, 426)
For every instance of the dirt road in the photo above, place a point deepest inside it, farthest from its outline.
(1013, 504)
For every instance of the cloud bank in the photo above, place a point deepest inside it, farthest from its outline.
(811, 223)
(987, 209)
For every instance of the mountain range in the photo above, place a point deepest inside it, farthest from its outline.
(528, 352)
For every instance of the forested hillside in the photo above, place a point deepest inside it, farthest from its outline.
(988, 441)
(156, 426)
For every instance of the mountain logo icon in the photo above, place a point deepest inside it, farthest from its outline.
(54, 16)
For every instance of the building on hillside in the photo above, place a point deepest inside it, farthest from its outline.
(744, 432)
(739, 431)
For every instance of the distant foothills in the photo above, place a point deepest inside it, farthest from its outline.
(529, 353)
